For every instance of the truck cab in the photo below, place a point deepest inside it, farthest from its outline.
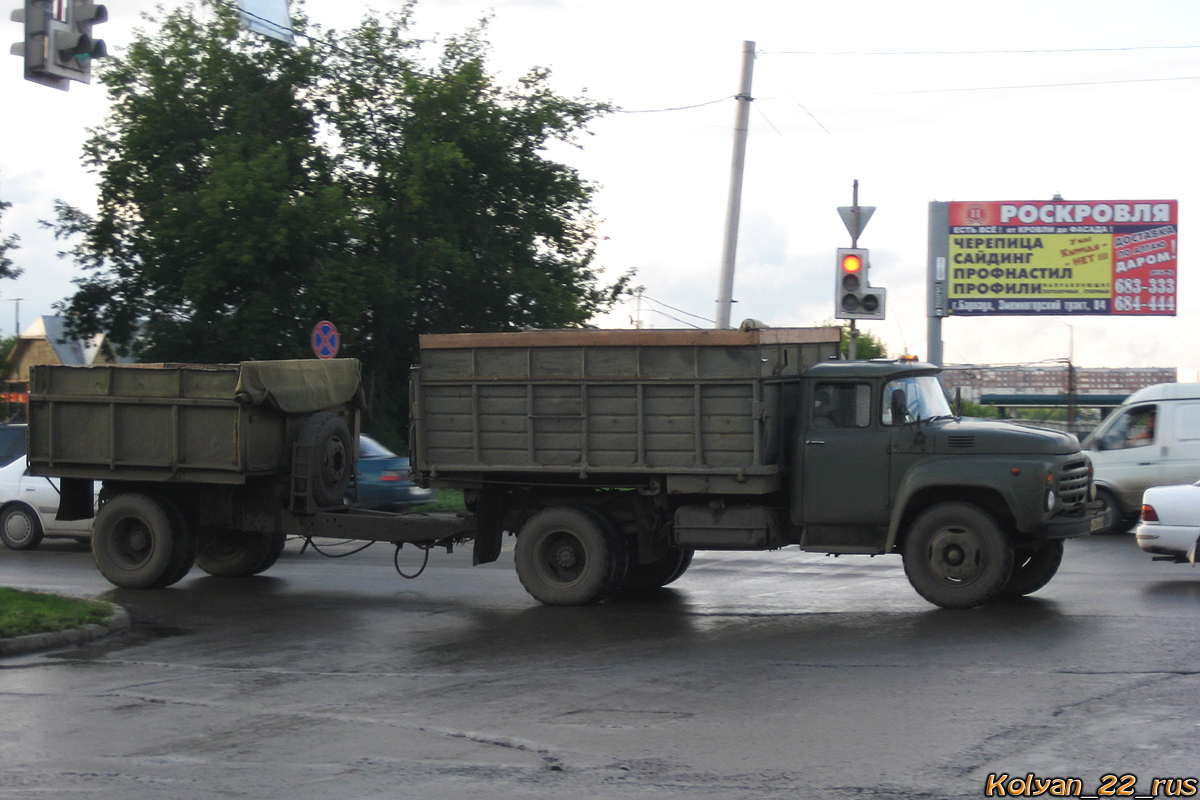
(878, 449)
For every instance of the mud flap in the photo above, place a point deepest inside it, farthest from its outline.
(489, 527)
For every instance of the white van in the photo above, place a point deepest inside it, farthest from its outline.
(1151, 440)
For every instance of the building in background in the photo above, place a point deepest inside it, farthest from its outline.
(45, 341)
(976, 380)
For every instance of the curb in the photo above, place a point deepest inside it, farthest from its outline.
(19, 645)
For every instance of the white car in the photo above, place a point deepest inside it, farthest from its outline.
(1170, 525)
(28, 504)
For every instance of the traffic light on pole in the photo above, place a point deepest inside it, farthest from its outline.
(76, 47)
(39, 22)
(58, 45)
(855, 298)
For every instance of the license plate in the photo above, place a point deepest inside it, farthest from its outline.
(1100, 522)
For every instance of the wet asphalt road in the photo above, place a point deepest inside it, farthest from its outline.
(772, 675)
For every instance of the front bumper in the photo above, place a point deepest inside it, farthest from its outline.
(1096, 517)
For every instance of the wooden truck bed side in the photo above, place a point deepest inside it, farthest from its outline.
(218, 423)
(698, 408)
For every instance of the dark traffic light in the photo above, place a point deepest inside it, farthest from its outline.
(58, 45)
(855, 298)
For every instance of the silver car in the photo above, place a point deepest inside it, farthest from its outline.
(28, 503)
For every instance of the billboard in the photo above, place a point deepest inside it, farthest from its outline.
(1112, 257)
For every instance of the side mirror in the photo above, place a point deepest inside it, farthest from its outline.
(899, 406)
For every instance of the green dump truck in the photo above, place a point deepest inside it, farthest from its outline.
(611, 455)
(614, 455)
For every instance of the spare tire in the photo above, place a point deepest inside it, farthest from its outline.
(331, 462)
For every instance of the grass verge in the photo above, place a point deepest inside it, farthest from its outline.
(22, 612)
(447, 500)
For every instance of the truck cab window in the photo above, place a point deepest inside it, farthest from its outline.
(841, 405)
(923, 396)
(1134, 428)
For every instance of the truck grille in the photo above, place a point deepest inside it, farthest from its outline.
(1073, 482)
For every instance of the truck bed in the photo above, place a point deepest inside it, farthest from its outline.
(698, 409)
(203, 423)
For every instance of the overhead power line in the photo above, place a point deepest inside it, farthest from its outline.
(1017, 86)
(677, 108)
(973, 52)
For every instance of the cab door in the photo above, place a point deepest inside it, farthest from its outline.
(845, 464)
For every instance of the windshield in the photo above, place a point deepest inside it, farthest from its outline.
(923, 397)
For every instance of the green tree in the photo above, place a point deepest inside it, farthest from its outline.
(869, 345)
(8, 243)
(220, 222)
(249, 189)
(467, 225)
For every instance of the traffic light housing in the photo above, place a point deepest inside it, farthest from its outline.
(854, 297)
(75, 46)
(58, 45)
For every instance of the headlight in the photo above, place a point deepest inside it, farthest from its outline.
(1050, 498)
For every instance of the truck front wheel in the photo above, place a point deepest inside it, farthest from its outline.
(956, 556)
(1033, 568)
(566, 556)
(141, 542)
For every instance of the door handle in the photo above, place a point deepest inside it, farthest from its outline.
(813, 441)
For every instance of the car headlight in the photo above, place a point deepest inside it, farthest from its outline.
(1050, 499)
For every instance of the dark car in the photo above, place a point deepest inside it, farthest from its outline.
(383, 480)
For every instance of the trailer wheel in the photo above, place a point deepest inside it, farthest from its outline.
(568, 556)
(956, 556)
(659, 573)
(137, 542)
(332, 464)
(230, 553)
(1033, 568)
(20, 528)
(188, 542)
(274, 550)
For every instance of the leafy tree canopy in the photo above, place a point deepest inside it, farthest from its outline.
(249, 189)
(869, 345)
(8, 243)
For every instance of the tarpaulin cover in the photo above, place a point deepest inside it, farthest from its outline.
(300, 386)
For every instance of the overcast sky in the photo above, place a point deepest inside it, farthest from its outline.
(1091, 100)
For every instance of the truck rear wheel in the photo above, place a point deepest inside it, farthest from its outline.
(567, 556)
(1033, 568)
(229, 553)
(956, 556)
(141, 542)
(659, 573)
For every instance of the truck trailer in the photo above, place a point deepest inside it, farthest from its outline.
(612, 456)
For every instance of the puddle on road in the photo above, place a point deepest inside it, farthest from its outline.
(138, 635)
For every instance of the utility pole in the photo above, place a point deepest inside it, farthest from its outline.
(733, 213)
(16, 301)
